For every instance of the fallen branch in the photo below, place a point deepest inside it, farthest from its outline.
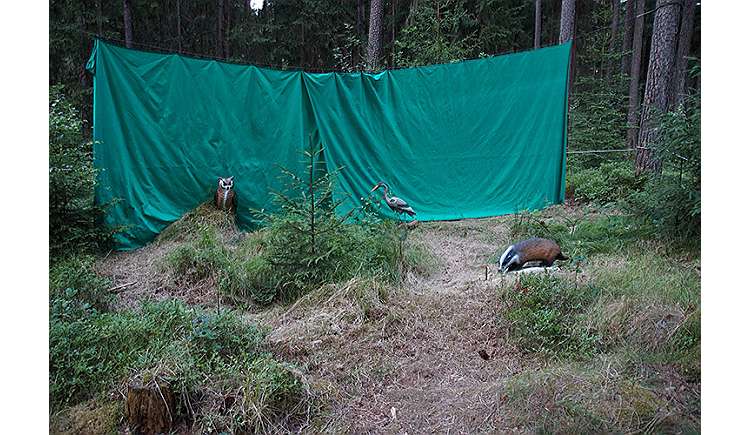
(117, 287)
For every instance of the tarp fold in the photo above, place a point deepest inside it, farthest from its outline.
(476, 138)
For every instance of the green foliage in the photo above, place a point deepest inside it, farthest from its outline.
(436, 36)
(251, 278)
(545, 316)
(271, 386)
(672, 198)
(608, 183)
(598, 119)
(254, 399)
(200, 258)
(581, 236)
(501, 25)
(307, 244)
(73, 217)
(685, 347)
(76, 289)
(92, 353)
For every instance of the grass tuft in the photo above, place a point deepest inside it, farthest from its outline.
(545, 314)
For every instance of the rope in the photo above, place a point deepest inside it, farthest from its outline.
(601, 151)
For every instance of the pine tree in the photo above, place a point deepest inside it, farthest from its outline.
(567, 32)
(627, 36)
(655, 97)
(375, 36)
(634, 93)
(538, 24)
(614, 29)
(683, 51)
(127, 23)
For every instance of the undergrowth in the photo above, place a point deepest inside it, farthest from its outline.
(582, 236)
(620, 324)
(608, 183)
(205, 358)
(306, 244)
(74, 217)
(603, 395)
(545, 314)
(215, 363)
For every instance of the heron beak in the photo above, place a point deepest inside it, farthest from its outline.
(375, 188)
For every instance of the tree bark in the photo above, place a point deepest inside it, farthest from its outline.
(567, 32)
(538, 24)
(567, 20)
(127, 23)
(614, 29)
(99, 17)
(627, 36)
(179, 27)
(375, 34)
(150, 408)
(635, 75)
(655, 97)
(683, 51)
(220, 30)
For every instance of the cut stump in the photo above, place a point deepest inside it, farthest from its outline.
(150, 408)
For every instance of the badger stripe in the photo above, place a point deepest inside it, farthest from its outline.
(505, 255)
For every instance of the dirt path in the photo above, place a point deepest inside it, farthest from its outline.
(383, 361)
(415, 365)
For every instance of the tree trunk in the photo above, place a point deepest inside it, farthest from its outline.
(179, 27)
(220, 30)
(614, 29)
(128, 23)
(683, 51)
(635, 75)
(567, 20)
(150, 408)
(99, 17)
(375, 34)
(655, 97)
(393, 32)
(567, 32)
(538, 24)
(227, 28)
(627, 36)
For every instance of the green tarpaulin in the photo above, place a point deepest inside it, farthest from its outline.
(477, 138)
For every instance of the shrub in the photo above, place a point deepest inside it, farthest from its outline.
(74, 219)
(308, 244)
(670, 207)
(92, 354)
(597, 119)
(252, 278)
(581, 237)
(544, 316)
(607, 183)
(672, 198)
(75, 288)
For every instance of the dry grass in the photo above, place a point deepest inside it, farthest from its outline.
(612, 393)
(432, 356)
(141, 275)
(407, 359)
(94, 417)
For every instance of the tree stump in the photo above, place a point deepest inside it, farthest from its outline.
(150, 408)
